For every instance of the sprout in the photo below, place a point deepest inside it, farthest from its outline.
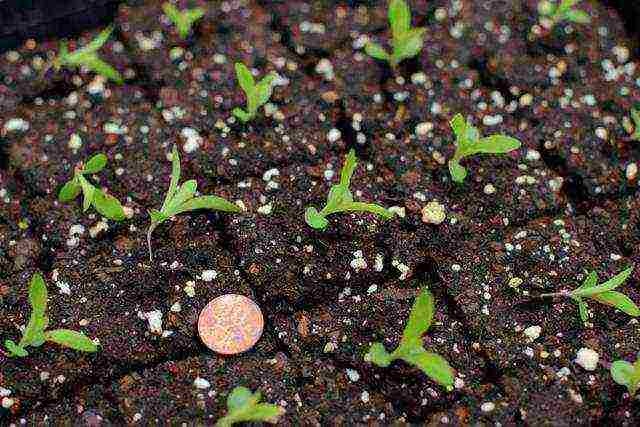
(469, 143)
(244, 406)
(182, 19)
(107, 205)
(340, 199)
(406, 41)
(603, 293)
(627, 374)
(87, 56)
(181, 198)
(35, 334)
(411, 350)
(565, 11)
(257, 94)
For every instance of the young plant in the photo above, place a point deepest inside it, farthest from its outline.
(35, 333)
(627, 374)
(411, 350)
(469, 143)
(107, 205)
(244, 406)
(565, 11)
(340, 199)
(603, 293)
(87, 56)
(182, 19)
(635, 115)
(406, 42)
(257, 94)
(181, 198)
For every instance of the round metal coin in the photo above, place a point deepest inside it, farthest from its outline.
(230, 324)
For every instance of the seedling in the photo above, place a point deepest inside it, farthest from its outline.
(257, 94)
(87, 56)
(565, 11)
(340, 199)
(182, 19)
(603, 293)
(469, 143)
(181, 198)
(35, 334)
(635, 115)
(406, 42)
(627, 374)
(411, 350)
(244, 406)
(107, 205)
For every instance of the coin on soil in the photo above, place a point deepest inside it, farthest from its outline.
(230, 324)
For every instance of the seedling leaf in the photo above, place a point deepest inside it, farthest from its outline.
(340, 199)
(245, 78)
(244, 406)
(376, 51)
(14, 349)
(457, 171)
(635, 115)
(98, 66)
(88, 193)
(183, 20)
(208, 202)
(626, 374)
(107, 205)
(496, 144)
(72, 339)
(619, 301)
(175, 177)
(95, 164)
(256, 94)
(434, 366)
(411, 349)
(408, 45)
(399, 17)
(69, 191)
(564, 11)
(419, 321)
(609, 285)
(97, 43)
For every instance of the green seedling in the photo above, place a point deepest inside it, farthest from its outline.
(635, 115)
(406, 42)
(107, 205)
(411, 350)
(182, 19)
(340, 199)
(469, 143)
(603, 293)
(35, 333)
(257, 94)
(627, 374)
(244, 406)
(87, 56)
(181, 198)
(565, 11)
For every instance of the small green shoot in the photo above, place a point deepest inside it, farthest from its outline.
(87, 56)
(182, 19)
(340, 199)
(181, 198)
(107, 205)
(411, 350)
(406, 41)
(627, 374)
(469, 143)
(244, 406)
(635, 115)
(35, 333)
(257, 94)
(565, 11)
(603, 293)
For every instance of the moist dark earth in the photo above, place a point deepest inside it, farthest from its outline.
(533, 221)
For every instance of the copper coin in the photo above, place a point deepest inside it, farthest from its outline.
(230, 324)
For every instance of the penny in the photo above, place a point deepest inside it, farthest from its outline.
(230, 324)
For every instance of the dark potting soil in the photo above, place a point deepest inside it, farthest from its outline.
(533, 221)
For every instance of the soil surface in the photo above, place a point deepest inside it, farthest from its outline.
(530, 222)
